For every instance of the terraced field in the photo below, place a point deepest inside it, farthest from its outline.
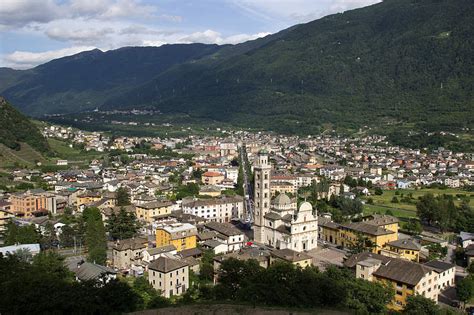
(26, 156)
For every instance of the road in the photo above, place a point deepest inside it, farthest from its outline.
(248, 192)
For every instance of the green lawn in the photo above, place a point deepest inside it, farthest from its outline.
(408, 210)
(64, 151)
(400, 213)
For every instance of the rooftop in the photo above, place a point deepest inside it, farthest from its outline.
(165, 264)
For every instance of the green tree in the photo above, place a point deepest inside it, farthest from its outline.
(419, 305)
(15, 234)
(378, 191)
(414, 226)
(123, 197)
(122, 226)
(66, 238)
(49, 238)
(95, 236)
(465, 289)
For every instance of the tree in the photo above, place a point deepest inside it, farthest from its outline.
(49, 238)
(465, 288)
(378, 191)
(394, 200)
(414, 226)
(66, 238)
(122, 226)
(15, 234)
(95, 236)
(123, 197)
(362, 244)
(419, 305)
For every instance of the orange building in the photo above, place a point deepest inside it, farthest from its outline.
(212, 178)
(27, 204)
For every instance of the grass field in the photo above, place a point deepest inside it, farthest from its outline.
(383, 202)
(73, 155)
(26, 156)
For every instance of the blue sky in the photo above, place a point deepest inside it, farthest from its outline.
(35, 31)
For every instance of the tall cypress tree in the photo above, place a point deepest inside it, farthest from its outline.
(96, 240)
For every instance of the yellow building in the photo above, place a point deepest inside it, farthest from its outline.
(181, 235)
(406, 249)
(282, 188)
(88, 197)
(379, 230)
(382, 220)
(293, 257)
(406, 277)
(328, 230)
(350, 233)
(5, 216)
(150, 210)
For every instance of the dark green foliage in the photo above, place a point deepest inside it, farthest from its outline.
(405, 60)
(21, 234)
(419, 305)
(66, 238)
(123, 197)
(47, 287)
(191, 189)
(465, 288)
(16, 128)
(283, 284)
(95, 236)
(122, 225)
(347, 206)
(442, 212)
(414, 226)
(378, 191)
(48, 237)
(437, 251)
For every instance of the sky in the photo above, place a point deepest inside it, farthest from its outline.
(33, 32)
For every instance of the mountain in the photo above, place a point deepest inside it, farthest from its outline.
(409, 61)
(16, 129)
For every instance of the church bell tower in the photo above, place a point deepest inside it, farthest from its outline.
(262, 170)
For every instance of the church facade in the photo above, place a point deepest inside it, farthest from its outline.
(281, 223)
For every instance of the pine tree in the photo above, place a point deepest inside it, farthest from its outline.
(122, 226)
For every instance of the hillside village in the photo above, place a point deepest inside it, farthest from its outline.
(174, 210)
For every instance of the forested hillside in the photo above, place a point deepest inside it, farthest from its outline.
(16, 128)
(398, 62)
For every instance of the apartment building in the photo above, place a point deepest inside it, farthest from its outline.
(219, 209)
(181, 235)
(149, 211)
(169, 276)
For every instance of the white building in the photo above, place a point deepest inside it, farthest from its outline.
(228, 235)
(446, 273)
(219, 209)
(281, 224)
(169, 276)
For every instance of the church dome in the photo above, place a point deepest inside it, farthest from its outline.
(305, 206)
(282, 200)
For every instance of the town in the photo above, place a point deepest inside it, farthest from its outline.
(201, 217)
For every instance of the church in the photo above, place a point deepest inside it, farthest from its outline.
(281, 223)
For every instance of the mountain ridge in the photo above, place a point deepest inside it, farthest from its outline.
(409, 61)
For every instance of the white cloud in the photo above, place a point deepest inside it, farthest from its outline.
(297, 11)
(18, 13)
(213, 37)
(25, 59)
(78, 35)
(21, 12)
